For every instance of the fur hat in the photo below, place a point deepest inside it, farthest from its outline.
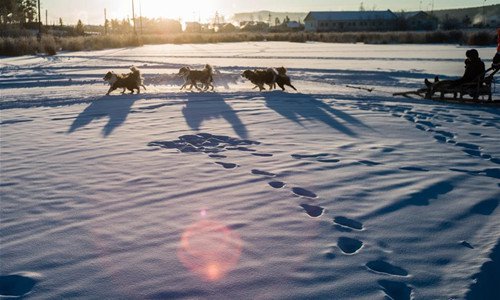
(472, 53)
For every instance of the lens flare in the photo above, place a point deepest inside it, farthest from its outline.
(209, 249)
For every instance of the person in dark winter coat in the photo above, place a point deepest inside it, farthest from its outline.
(474, 67)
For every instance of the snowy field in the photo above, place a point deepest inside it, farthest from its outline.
(331, 192)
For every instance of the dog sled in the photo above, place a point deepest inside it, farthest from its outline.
(480, 88)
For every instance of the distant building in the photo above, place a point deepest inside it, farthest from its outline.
(193, 27)
(293, 25)
(325, 21)
(418, 20)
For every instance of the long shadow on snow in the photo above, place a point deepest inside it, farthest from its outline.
(419, 198)
(302, 106)
(486, 281)
(206, 106)
(116, 110)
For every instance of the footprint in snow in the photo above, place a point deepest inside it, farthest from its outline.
(313, 210)
(396, 290)
(15, 286)
(420, 127)
(440, 138)
(348, 223)
(383, 267)
(468, 146)
(477, 134)
(427, 123)
(445, 133)
(495, 160)
(227, 165)
(303, 192)
(217, 156)
(262, 154)
(277, 184)
(263, 173)
(330, 160)
(349, 245)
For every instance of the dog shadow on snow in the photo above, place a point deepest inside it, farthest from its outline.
(116, 109)
(300, 107)
(201, 107)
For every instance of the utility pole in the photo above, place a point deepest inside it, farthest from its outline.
(46, 18)
(140, 15)
(105, 23)
(39, 36)
(133, 17)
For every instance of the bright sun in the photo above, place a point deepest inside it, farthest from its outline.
(186, 10)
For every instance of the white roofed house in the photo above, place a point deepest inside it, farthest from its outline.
(326, 21)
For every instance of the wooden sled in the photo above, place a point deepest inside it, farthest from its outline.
(482, 86)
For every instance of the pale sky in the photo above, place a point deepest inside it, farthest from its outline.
(92, 11)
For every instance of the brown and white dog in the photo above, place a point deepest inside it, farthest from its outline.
(131, 81)
(204, 76)
(282, 79)
(261, 77)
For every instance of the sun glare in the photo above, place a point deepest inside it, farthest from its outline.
(209, 249)
(185, 10)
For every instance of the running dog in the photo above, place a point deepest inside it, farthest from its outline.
(131, 81)
(204, 76)
(261, 77)
(282, 79)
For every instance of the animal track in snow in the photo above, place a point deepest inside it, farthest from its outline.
(396, 290)
(381, 266)
(262, 154)
(349, 245)
(16, 285)
(329, 160)
(276, 184)
(263, 173)
(312, 210)
(205, 143)
(303, 192)
(349, 223)
(227, 165)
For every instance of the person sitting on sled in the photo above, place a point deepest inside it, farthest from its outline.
(474, 67)
(496, 59)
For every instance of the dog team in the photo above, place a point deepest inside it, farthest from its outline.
(192, 78)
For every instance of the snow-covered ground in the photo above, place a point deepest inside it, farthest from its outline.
(329, 193)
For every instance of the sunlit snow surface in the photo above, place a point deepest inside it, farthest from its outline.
(329, 193)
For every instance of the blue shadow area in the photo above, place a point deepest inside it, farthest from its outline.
(203, 107)
(116, 110)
